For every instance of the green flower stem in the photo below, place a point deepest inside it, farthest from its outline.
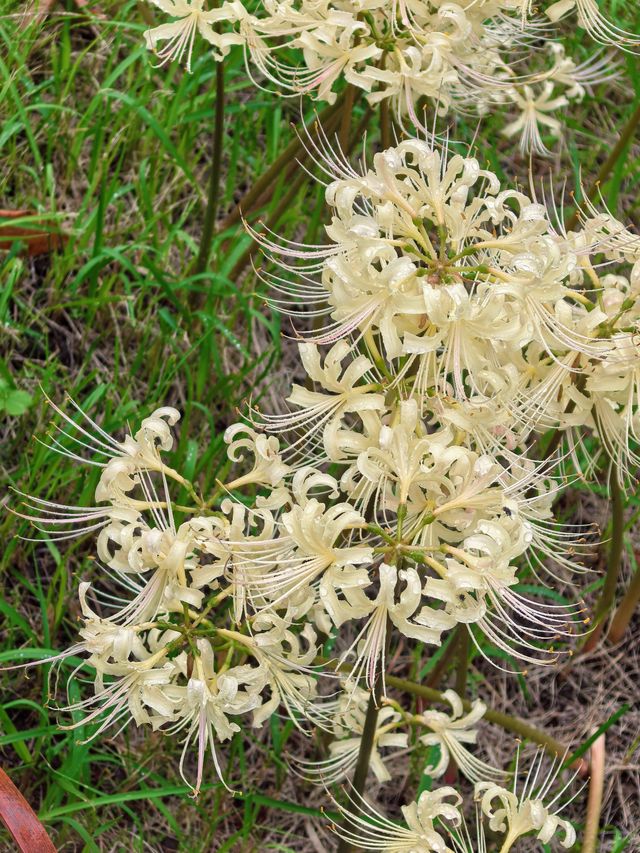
(608, 594)
(385, 124)
(626, 608)
(213, 199)
(594, 803)
(294, 149)
(345, 117)
(607, 167)
(511, 724)
(366, 742)
(364, 755)
(369, 729)
(462, 649)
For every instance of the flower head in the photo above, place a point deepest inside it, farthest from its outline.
(421, 832)
(518, 813)
(451, 733)
(191, 18)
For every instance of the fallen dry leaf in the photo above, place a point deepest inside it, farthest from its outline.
(21, 821)
(38, 238)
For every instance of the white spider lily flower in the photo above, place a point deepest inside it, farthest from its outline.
(191, 18)
(453, 56)
(399, 603)
(343, 753)
(481, 574)
(122, 461)
(607, 234)
(422, 832)
(461, 321)
(310, 545)
(602, 66)
(450, 733)
(437, 484)
(344, 390)
(287, 669)
(535, 108)
(244, 547)
(106, 640)
(142, 454)
(591, 18)
(163, 552)
(203, 708)
(393, 470)
(125, 697)
(430, 259)
(530, 810)
(268, 467)
(63, 521)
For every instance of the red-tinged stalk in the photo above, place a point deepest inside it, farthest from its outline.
(385, 124)
(463, 649)
(301, 177)
(608, 594)
(594, 804)
(345, 118)
(626, 609)
(294, 151)
(272, 222)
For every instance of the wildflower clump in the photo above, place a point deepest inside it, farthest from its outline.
(436, 823)
(457, 57)
(398, 495)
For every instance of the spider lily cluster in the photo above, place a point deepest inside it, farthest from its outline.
(467, 56)
(396, 495)
(435, 823)
(404, 490)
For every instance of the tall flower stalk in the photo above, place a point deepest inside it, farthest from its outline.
(213, 196)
